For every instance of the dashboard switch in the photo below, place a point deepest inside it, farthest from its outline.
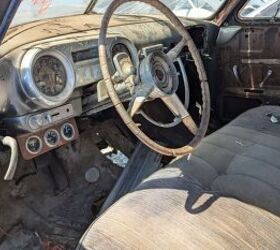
(52, 116)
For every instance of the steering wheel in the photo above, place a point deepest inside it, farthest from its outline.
(157, 78)
(177, 120)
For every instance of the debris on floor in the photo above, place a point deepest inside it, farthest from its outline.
(239, 143)
(57, 204)
(273, 118)
(117, 157)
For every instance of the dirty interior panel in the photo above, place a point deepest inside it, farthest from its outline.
(73, 147)
(248, 59)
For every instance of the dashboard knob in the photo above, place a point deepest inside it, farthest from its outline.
(36, 122)
(49, 118)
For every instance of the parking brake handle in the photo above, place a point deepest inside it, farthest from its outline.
(12, 144)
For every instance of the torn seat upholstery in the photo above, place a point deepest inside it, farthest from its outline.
(226, 195)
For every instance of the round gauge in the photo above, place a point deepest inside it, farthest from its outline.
(68, 131)
(119, 47)
(52, 138)
(49, 75)
(33, 145)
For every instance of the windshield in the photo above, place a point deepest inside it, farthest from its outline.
(32, 10)
(264, 9)
(199, 9)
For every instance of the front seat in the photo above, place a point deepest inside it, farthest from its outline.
(226, 195)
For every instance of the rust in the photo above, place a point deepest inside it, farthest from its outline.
(225, 11)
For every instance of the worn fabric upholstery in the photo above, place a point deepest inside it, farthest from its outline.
(226, 195)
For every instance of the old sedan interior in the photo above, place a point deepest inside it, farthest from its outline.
(140, 125)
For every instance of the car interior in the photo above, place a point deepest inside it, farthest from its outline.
(141, 125)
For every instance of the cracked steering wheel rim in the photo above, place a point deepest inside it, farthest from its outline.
(205, 117)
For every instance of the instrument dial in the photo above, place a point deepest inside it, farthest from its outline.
(68, 131)
(33, 145)
(49, 75)
(52, 138)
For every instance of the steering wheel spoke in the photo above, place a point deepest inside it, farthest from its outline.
(174, 53)
(175, 105)
(140, 96)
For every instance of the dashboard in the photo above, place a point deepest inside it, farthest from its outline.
(49, 76)
(44, 82)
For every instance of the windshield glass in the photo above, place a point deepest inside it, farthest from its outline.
(261, 9)
(199, 9)
(32, 10)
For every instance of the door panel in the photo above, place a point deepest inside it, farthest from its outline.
(250, 67)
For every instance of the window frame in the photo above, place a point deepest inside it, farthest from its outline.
(258, 20)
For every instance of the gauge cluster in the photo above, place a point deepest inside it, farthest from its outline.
(33, 145)
(86, 59)
(51, 76)
(47, 77)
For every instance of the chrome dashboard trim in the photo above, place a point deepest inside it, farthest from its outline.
(29, 87)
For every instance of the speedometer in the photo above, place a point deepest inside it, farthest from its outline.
(49, 75)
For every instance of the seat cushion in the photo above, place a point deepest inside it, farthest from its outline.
(241, 160)
(187, 205)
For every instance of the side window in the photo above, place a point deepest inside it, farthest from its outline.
(261, 9)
